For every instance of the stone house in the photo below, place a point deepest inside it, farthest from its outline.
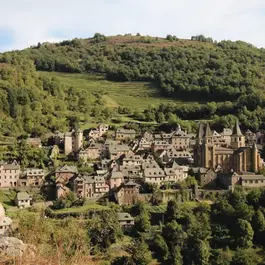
(99, 131)
(133, 173)
(90, 186)
(116, 151)
(252, 181)
(204, 176)
(227, 180)
(93, 152)
(127, 193)
(32, 177)
(154, 176)
(180, 140)
(125, 220)
(125, 134)
(9, 175)
(23, 200)
(115, 179)
(176, 173)
(132, 160)
(159, 145)
(73, 141)
(63, 176)
(5, 222)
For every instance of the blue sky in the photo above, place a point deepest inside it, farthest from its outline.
(27, 22)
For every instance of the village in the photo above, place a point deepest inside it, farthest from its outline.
(127, 167)
(125, 161)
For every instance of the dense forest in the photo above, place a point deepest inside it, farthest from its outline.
(228, 76)
(228, 232)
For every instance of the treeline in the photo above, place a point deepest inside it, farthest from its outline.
(248, 109)
(229, 232)
(193, 70)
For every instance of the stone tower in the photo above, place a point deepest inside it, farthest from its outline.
(255, 158)
(237, 138)
(208, 148)
(78, 140)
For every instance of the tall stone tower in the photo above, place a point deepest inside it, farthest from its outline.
(208, 148)
(255, 158)
(237, 138)
(78, 135)
(68, 145)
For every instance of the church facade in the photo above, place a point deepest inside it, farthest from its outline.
(225, 153)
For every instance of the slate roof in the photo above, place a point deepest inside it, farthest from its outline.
(66, 169)
(22, 195)
(252, 177)
(236, 129)
(124, 217)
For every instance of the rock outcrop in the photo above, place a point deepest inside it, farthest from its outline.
(11, 246)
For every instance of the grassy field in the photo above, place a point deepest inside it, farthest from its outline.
(84, 208)
(135, 95)
(6, 198)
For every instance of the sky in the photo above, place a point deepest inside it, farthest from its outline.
(26, 22)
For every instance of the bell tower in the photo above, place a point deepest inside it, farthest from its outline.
(237, 138)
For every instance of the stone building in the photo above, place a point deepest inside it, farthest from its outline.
(176, 173)
(98, 132)
(125, 220)
(90, 186)
(9, 175)
(32, 177)
(115, 179)
(127, 193)
(93, 152)
(23, 200)
(73, 141)
(204, 176)
(236, 156)
(125, 134)
(5, 222)
(62, 177)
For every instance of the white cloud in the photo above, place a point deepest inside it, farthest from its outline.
(33, 21)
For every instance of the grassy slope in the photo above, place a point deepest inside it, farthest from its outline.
(134, 95)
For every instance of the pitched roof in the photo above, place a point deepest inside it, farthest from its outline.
(208, 132)
(11, 167)
(252, 177)
(22, 195)
(124, 216)
(200, 131)
(236, 129)
(66, 169)
(116, 175)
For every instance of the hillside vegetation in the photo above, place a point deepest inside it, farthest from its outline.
(54, 86)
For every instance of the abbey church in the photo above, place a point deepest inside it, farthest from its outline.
(225, 152)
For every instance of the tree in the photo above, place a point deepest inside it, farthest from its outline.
(245, 257)
(142, 221)
(201, 252)
(141, 255)
(161, 248)
(172, 212)
(244, 234)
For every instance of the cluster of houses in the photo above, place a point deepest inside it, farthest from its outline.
(123, 161)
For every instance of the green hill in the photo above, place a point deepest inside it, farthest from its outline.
(131, 78)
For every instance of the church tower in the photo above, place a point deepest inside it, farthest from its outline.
(237, 138)
(255, 158)
(208, 148)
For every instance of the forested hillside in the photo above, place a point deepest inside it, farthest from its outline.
(225, 78)
(182, 68)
